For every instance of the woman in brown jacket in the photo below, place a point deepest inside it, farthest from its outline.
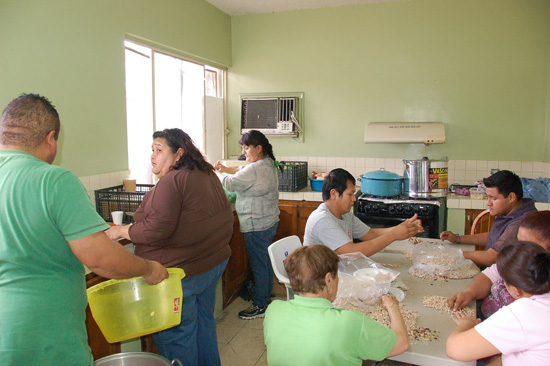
(185, 221)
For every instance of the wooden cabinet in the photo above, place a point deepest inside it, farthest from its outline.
(238, 268)
(288, 223)
(483, 225)
(293, 218)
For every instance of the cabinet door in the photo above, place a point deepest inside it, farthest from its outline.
(288, 219)
(304, 210)
(237, 269)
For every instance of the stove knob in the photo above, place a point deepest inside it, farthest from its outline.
(375, 208)
(408, 209)
(392, 209)
(424, 211)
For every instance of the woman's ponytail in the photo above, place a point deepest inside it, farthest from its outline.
(542, 269)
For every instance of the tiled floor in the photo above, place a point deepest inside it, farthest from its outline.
(241, 342)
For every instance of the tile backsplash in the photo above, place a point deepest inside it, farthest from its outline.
(460, 171)
(93, 182)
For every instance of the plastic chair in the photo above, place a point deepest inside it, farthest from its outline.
(478, 217)
(278, 252)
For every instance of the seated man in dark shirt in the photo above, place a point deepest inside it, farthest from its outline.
(505, 201)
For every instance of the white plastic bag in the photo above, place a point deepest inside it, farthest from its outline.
(431, 260)
(362, 278)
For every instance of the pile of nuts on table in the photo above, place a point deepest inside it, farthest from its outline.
(378, 313)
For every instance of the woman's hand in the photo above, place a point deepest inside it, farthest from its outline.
(223, 169)
(397, 324)
(460, 300)
(389, 301)
(464, 321)
(118, 232)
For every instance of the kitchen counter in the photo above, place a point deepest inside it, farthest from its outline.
(306, 194)
(465, 202)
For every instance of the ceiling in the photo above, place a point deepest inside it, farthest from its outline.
(244, 7)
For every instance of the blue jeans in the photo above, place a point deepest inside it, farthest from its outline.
(256, 248)
(194, 341)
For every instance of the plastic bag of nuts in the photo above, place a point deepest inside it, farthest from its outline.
(441, 262)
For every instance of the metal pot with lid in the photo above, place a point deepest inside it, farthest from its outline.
(426, 178)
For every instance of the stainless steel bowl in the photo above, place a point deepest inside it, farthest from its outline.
(136, 359)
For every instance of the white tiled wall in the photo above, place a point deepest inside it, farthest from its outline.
(460, 171)
(93, 182)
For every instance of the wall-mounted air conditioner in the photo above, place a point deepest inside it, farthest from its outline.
(273, 114)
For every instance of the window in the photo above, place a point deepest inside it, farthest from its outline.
(164, 91)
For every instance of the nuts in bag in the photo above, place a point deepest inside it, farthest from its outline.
(431, 260)
(363, 279)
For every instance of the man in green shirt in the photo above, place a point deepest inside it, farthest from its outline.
(48, 229)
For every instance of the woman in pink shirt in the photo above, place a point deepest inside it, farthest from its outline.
(488, 285)
(521, 330)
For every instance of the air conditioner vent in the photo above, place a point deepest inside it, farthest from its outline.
(275, 114)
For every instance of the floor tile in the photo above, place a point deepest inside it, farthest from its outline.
(230, 315)
(263, 360)
(250, 338)
(257, 323)
(226, 332)
(239, 356)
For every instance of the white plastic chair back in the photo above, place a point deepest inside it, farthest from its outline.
(278, 252)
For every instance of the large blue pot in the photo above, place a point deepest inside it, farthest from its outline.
(381, 183)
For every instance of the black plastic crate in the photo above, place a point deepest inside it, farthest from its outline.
(293, 177)
(115, 198)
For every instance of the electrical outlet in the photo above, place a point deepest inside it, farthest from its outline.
(493, 171)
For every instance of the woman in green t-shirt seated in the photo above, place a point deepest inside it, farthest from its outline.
(310, 331)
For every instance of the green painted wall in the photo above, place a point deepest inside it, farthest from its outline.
(547, 135)
(456, 220)
(72, 52)
(479, 66)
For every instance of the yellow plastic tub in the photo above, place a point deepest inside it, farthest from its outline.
(126, 309)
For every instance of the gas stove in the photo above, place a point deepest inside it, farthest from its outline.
(378, 211)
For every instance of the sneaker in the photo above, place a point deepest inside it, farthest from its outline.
(253, 312)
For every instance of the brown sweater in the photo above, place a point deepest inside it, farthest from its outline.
(185, 221)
